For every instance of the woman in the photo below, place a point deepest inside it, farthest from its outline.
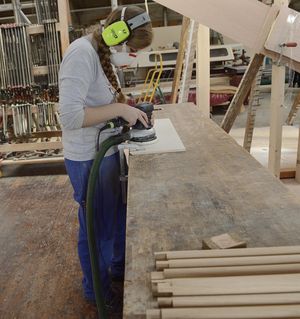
(90, 96)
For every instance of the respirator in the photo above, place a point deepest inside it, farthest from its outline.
(121, 57)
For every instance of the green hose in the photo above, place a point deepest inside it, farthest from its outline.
(93, 177)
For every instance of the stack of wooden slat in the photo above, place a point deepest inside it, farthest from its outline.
(245, 283)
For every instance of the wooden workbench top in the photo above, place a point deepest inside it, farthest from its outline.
(177, 199)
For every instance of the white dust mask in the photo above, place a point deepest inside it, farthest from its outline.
(120, 58)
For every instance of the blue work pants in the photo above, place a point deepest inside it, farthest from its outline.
(109, 222)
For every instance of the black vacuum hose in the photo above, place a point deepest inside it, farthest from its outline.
(93, 177)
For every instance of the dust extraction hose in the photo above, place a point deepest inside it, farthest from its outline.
(93, 177)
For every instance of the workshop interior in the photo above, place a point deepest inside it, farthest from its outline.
(208, 171)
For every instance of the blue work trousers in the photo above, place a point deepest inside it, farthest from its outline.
(109, 222)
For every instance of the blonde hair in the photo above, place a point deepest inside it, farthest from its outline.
(139, 39)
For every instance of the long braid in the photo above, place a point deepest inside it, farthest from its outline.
(104, 57)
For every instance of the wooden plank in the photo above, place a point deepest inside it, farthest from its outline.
(34, 29)
(253, 104)
(180, 57)
(224, 241)
(298, 161)
(203, 69)
(167, 140)
(263, 284)
(238, 252)
(227, 261)
(196, 194)
(22, 147)
(287, 173)
(46, 134)
(236, 21)
(255, 312)
(294, 110)
(63, 12)
(226, 271)
(40, 70)
(50, 160)
(277, 102)
(277, 97)
(244, 88)
(229, 300)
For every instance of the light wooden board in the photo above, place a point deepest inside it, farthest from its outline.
(230, 271)
(234, 285)
(22, 147)
(236, 20)
(238, 252)
(227, 261)
(167, 140)
(229, 300)
(285, 29)
(259, 312)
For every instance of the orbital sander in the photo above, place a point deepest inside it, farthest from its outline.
(139, 133)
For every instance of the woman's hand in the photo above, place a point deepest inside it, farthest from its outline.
(131, 115)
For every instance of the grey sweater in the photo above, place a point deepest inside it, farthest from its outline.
(82, 83)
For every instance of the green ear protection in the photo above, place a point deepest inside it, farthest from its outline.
(118, 32)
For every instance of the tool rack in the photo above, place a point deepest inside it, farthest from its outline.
(29, 59)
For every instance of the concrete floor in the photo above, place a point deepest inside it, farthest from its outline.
(263, 112)
(263, 121)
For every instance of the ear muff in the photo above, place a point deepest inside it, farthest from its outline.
(116, 33)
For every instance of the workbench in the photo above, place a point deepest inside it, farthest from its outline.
(177, 199)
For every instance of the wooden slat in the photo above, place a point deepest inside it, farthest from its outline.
(49, 160)
(180, 57)
(227, 271)
(244, 88)
(229, 300)
(238, 252)
(228, 261)
(255, 312)
(63, 12)
(276, 116)
(298, 161)
(263, 284)
(6, 148)
(294, 109)
(46, 134)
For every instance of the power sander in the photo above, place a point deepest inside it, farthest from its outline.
(139, 133)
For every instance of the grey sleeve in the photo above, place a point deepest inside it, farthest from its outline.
(76, 73)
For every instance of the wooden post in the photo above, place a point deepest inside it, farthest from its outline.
(203, 70)
(180, 57)
(63, 22)
(294, 109)
(298, 161)
(277, 101)
(69, 13)
(240, 96)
